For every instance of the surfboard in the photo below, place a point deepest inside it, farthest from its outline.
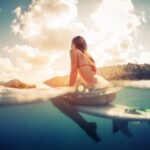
(12, 96)
(92, 97)
(119, 114)
(114, 111)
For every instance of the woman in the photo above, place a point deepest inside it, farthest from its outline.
(83, 63)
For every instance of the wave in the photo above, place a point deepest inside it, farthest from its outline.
(139, 84)
(12, 96)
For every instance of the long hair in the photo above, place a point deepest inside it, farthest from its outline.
(80, 43)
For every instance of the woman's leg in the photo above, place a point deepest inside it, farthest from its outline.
(68, 109)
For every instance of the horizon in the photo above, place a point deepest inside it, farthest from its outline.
(36, 35)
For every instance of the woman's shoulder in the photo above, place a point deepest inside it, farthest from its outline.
(72, 51)
(75, 51)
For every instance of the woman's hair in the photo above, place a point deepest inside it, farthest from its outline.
(80, 43)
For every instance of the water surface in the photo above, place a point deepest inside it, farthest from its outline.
(43, 126)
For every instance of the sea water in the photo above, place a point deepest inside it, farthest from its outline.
(42, 126)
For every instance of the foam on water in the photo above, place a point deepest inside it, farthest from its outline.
(139, 84)
(11, 96)
(43, 93)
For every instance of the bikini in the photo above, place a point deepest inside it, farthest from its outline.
(92, 65)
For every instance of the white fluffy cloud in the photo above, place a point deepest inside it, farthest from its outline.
(48, 25)
(115, 27)
(31, 65)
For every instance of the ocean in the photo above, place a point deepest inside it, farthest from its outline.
(42, 126)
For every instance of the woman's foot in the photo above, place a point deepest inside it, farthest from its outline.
(92, 127)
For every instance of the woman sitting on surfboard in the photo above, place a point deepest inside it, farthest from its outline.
(83, 63)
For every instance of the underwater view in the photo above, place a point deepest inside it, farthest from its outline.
(43, 126)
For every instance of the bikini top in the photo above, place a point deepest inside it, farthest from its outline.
(91, 64)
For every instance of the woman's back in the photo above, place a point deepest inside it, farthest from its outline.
(83, 63)
(84, 68)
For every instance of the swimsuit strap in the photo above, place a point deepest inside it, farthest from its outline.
(88, 60)
(91, 62)
(92, 65)
(84, 65)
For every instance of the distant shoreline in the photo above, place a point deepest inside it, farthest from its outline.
(117, 74)
(126, 72)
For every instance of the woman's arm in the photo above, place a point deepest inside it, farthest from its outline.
(73, 72)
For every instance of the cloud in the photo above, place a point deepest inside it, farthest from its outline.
(48, 25)
(18, 11)
(115, 27)
(9, 71)
(30, 64)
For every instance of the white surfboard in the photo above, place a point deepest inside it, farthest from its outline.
(119, 114)
(114, 111)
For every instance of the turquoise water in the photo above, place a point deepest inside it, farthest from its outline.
(42, 126)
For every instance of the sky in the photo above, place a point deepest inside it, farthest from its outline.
(35, 35)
